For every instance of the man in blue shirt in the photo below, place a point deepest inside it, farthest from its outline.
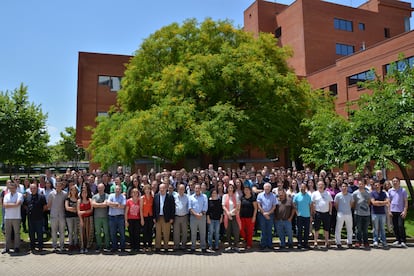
(266, 202)
(198, 205)
(303, 204)
(181, 218)
(116, 203)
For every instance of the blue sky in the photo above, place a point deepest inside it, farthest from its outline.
(40, 41)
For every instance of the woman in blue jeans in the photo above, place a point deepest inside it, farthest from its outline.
(214, 219)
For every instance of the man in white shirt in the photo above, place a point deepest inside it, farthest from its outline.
(12, 203)
(322, 201)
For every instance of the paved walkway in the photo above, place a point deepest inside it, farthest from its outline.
(395, 261)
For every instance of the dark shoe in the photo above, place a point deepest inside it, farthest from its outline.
(192, 250)
(350, 246)
(5, 250)
(204, 250)
(339, 246)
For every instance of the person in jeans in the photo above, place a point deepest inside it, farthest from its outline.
(303, 205)
(100, 217)
(284, 213)
(214, 219)
(379, 200)
(398, 208)
(116, 203)
(361, 203)
(266, 202)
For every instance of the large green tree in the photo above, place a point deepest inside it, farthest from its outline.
(380, 127)
(23, 131)
(204, 88)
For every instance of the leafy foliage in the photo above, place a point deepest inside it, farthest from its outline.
(22, 129)
(204, 88)
(380, 129)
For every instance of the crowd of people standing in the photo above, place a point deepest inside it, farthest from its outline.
(219, 209)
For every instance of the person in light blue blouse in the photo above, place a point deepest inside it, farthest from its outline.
(198, 205)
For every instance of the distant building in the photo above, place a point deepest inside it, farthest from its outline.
(334, 46)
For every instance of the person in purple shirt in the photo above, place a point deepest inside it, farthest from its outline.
(398, 208)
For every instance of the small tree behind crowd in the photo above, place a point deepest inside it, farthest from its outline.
(380, 129)
(23, 130)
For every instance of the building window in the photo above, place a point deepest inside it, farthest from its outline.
(361, 77)
(361, 26)
(400, 65)
(342, 24)
(333, 89)
(407, 26)
(344, 49)
(278, 32)
(102, 113)
(387, 33)
(114, 83)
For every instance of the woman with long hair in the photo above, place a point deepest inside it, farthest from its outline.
(146, 216)
(85, 212)
(214, 219)
(231, 210)
(72, 219)
(133, 218)
(248, 212)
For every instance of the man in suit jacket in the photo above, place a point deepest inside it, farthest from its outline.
(164, 212)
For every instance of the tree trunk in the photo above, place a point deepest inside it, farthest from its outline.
(407, 180)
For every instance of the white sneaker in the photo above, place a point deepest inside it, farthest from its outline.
(403, 245)
(375, 244)
(81, 251)
(396, 243)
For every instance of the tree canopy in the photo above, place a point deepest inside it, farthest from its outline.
(204, 88)
(23, 131)
(67, 149)
(380, 129)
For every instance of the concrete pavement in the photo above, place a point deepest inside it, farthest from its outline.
(394, 261)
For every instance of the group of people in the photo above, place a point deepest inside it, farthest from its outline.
(212, 205)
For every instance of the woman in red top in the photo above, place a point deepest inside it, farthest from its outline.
(132, 219)
(84, 207)
(146, 216)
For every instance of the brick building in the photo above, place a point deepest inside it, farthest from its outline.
(334, 47)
